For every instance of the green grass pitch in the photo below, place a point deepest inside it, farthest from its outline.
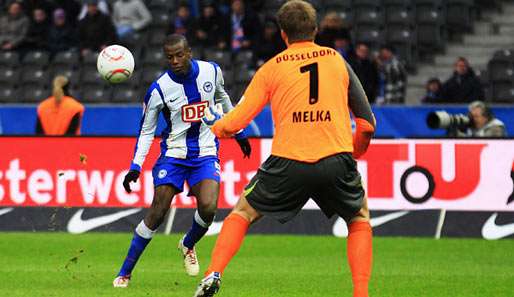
(58, 264)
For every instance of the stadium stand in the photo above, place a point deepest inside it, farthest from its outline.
(427, 34)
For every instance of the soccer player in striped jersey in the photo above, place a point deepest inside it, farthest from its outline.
(312, 91)
(189, 150)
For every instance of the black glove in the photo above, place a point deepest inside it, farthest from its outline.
(245, 146)
(131, 176)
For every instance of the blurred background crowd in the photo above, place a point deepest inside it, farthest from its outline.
(387, 42)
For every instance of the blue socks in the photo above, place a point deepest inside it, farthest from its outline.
(197, 231)
(142, 237)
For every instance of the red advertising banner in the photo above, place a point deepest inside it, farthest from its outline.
(88, 172)
(399, 174)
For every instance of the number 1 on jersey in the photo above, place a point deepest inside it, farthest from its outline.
(313, 81)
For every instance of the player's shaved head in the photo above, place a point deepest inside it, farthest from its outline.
(174, 39)
(298, 20)
(178, 53)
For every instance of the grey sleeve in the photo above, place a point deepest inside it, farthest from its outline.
(144, 14)
(23, 29)
(221, 95)
(357, 99)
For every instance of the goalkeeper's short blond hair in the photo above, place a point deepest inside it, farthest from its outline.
(298, 20)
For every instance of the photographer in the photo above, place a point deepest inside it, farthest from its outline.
(479, 122)
(483, 122)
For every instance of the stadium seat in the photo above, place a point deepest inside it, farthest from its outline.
(160, 19)
(56, 69)
(459, 15)
(136, 42)
(483, 76)
(243, 76)
(122, 94)
(222, 58)
(429, 15)
(9, 76)
(70, 58)
(34, 94)
(154, 56)
(8, 58)
(273, 5)
(398, 3)
(346, 16)
(33, 76)
(504, 55)
(503, 93)
(366, 3)
(90, 59)
(337, 5)
(9, 95)
(96, 94)
(372, 37)
(198, 52)
(430, 36)
(89, 75)
(149, 75)
(157, 38)
(500, 71)
(244, 58)
(75, 92)
(399, 16)
(228, 76)
(432, 3)
(36, 58)
(236, 92)
(404, 40)
(367, 16)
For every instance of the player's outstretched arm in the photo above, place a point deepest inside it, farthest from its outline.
(221, 97)
(152, 108)
(252, 102)
(364, 118)
(220, 94)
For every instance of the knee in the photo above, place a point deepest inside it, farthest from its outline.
(245, 210)
(207, 208)
(361, 215)
(156, 215)
(154, 218)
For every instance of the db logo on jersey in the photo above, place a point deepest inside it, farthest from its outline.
(194, 112)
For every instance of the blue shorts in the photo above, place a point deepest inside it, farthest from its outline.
(172, 171)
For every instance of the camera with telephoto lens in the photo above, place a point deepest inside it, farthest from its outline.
(451, 122)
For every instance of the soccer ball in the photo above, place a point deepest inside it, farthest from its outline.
(115, 64)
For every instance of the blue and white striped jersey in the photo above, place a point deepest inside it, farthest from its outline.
(182, 100)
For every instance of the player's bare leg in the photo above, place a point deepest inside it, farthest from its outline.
(144, 232)
(206, 192)
(360, 252)
(232, 234)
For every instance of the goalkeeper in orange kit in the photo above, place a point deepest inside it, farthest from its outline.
(311, 90)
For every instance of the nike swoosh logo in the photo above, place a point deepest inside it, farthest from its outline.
(374, 222)
(77, 225)
(493, 231)
(173, 100)
(340, 229)
(6, 210)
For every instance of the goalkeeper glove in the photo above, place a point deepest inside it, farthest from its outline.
(363, 134)
(212, 115)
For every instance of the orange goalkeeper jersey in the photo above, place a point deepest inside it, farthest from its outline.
(307, 86)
